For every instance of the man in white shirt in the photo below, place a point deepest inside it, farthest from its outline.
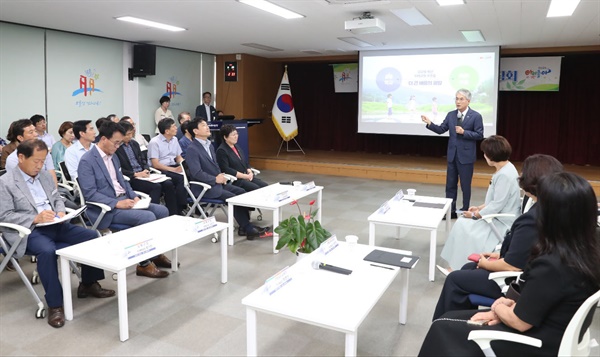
(39, 122)
(85, 135)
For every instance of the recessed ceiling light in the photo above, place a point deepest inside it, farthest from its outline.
(262, 47)
(143, 22)
(473, 35)
(450, 2)
(272, 8)
(355, 41)
(411, 16)
(562, 8)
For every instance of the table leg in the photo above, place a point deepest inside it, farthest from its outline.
(223, 256)
(448, 219)
(276, 215)
(432, 248)
(320, 212)
(403, 296)
(230, 219)
(351, 342)
(174, 260)
(371, 233)
(251, 332)
(122, 297)
(65, 273)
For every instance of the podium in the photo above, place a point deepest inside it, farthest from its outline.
(241, 125)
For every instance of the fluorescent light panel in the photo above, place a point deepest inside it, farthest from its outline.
(473, 35)
(272, 8)
(450, 2)
(411, 16)
(262, 47)
(355, 41)
(562, 8)
(143, 22)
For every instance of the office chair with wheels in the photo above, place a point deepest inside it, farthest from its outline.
(9, 252)
(570, 345)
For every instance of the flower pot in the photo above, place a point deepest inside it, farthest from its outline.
(300, 255)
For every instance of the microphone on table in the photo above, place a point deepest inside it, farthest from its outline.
(459, 120)
(318, 265)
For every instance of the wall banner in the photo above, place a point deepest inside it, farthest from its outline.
(530, 74)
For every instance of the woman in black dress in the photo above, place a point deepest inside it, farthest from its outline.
(561, 275)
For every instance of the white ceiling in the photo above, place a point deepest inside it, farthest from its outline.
(221, 26)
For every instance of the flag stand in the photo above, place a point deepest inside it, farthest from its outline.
(287, 147)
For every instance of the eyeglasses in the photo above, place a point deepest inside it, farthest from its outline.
(117, 143)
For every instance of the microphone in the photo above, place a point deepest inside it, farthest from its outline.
(318, 265)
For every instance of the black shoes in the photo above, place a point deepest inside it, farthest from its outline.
(94, 290)
(453, 215)
(254, 232)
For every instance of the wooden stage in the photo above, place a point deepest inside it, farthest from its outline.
(387, 167)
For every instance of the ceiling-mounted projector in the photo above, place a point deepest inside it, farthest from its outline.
(365, 24)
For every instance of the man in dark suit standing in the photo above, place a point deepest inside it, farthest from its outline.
(201, 159)
(29, 198)
(465, 127)
(205, 110)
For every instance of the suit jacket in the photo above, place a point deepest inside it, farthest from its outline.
(96, 184)
(17, 205)
(463, 146)
(126, 167)
(201, 168)
(229, 162)
(201, 112)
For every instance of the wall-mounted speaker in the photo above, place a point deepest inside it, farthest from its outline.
(144, 60)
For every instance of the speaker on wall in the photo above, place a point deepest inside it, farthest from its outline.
(144, 59)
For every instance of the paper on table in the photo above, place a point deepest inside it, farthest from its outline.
(65, 218)
(142, 204)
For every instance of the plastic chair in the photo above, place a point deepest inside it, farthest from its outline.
(9, 252)
(500, 278)
(570, 345)
(201, 203)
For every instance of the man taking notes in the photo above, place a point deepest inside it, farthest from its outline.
(465, 127)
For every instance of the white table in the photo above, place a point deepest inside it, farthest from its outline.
(404, 214)
(264, 199)
(107, 253)
(348, 298)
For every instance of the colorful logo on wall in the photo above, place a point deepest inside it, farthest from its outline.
(88, 86)
(171, 87)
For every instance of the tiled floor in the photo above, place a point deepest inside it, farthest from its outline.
(192, 313)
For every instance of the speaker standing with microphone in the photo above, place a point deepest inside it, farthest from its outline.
(318, 265)
(459, 119)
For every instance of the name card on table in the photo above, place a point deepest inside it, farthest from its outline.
(278, 281)
(139, 248)
(330, 244)
(398, 196)
(204, 224)
(309, 186)
(384, 208)
(282, 196)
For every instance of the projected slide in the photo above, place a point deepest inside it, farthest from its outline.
(397, 87)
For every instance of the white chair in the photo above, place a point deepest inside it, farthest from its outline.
(569, 345)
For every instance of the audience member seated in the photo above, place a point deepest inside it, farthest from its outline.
(3, 143)
(469, 235)
(183, 117)
(85, 134)
(164, 154)
(473, 278)
(98, 124)
(29, 197)
(101, 181)
(24, 130)
(562, 273)
(134, 167)
(137, 135)
(232, 160)
(113, 117)
(203, 167)
(66, 140)
(163, 111)
(39, 122)
(7, 149)
(185, 140)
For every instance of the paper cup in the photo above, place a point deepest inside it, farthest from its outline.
(411, 192)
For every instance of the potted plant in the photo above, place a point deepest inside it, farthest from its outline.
(302, 234)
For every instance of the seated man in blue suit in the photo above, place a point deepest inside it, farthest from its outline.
(465, 127)
(101, 181)
(202, 164)
(29, 197)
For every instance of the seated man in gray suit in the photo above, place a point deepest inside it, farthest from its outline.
(29, 197)
(101, 180)
(201, 159)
